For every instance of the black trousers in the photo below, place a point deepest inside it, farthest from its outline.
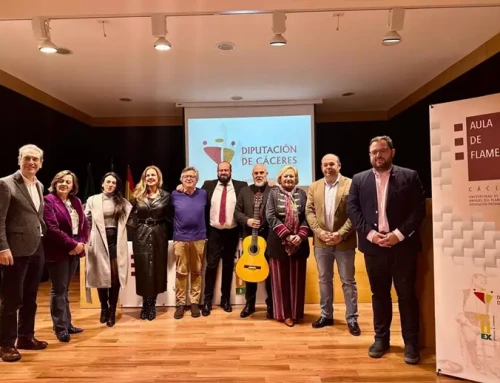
(401, 267)
(221, 244)
(251, 290)
(61, 274)
(108, 297)
(18, 292)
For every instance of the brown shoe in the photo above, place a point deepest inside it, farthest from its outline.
(31, 344)
(9, 354)
(289, 322)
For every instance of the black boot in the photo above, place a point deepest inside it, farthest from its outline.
(104, 315)
(144, 309)
(112, 317)
(151, 314)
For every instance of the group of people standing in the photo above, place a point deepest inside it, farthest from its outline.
(384, 205)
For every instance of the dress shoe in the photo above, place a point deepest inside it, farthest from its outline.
(74, 330)
(179, 313)
(354, 328)
(322, 322)
(63, 336)
(412, 355)
(9, 354)
(207, 307)
(378, 349)
(289, 322)
(104, 315)
(248, 310)
(270, 312)
(195, 310)
(31, 344)
(111, 318)
(226, 305)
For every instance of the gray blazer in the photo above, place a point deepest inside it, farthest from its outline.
(20, 223)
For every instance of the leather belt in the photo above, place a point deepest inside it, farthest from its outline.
(151, 221)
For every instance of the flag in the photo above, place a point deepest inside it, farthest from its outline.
(129, 184)
(89, 185)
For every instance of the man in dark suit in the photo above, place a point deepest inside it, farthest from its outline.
(223, 234)
(387, 206)
(244, 214)
(21, 254)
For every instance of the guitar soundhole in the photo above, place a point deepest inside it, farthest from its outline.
(254, 249)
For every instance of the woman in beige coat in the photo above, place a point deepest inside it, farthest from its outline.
(107, 254)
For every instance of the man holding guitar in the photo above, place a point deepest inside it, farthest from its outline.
(245, 215)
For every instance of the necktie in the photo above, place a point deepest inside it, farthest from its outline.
(222, 211)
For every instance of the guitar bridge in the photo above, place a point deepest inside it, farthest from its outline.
(252, 267)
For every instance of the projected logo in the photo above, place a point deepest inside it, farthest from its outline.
(219, 153)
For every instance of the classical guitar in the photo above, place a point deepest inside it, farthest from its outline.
(252, 265)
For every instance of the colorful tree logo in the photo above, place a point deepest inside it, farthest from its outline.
(219, 153)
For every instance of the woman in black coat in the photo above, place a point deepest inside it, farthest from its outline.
(148, 226)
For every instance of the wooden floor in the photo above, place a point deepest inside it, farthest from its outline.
(218, 348)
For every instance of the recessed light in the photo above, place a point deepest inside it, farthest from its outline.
(237, 98)
(125, 99)
(347, 94)
(225, 46)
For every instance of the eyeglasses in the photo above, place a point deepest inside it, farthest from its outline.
(381, 151)
(188, 176)
(31, 158)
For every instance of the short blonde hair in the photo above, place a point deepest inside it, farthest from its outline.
(286, 168)
(190, 169)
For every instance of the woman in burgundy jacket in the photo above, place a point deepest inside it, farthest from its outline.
(64, 244)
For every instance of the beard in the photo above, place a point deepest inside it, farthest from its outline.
(383, 165)
(261, 183)
(224, 180)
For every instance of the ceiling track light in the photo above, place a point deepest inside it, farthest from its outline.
(159, 29)
(395, 23)
(279, 28)
(41, 30)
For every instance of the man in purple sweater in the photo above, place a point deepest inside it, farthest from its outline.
(190, 234)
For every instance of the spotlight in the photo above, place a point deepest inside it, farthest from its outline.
(162, 44)
(41, 30)
(159, 29)
(391, 38)
(279, 27)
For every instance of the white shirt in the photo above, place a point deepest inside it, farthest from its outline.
(330, 194)
(33, 191)
(230, 205)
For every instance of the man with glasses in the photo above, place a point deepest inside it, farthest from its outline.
(387, 206)
(190, 233)
(21, 254)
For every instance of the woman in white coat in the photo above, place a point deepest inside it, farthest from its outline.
(107, 255)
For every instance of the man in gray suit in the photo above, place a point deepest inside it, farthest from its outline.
(21, 254)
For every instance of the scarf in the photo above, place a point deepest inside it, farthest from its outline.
(291, 219)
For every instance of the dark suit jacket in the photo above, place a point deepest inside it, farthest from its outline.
(20, 223)
(245, 209)
(59, 241)
(210, 186)
(405, 208)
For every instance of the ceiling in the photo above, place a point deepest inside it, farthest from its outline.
(319, 62)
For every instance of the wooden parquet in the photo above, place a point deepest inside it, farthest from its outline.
(218, 348)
